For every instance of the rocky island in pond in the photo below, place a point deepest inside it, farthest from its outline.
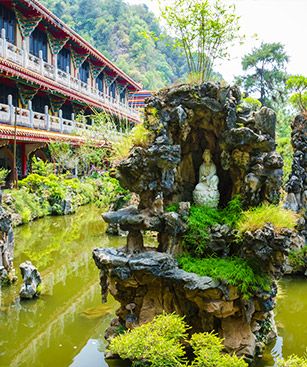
(202, 150)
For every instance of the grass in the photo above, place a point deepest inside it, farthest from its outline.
(201, 218)
(256, 218)
(233, 271)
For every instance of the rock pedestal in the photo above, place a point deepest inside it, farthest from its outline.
(152, 283)
(31, 280)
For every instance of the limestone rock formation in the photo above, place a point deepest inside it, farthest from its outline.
(7, 272)
(296, 186)
(31, 280)
(184, 122)
(151, 283)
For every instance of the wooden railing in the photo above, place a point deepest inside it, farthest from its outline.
(23, 58)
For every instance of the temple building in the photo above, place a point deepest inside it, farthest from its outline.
(49, 75)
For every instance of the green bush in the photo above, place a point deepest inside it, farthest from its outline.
(256, 218)
(201, 218)
(39, 195)
(3, 174)
(233, 271)
(160, 343)
(156, 343)
(208, 352)
(41, 168)
(292, 361)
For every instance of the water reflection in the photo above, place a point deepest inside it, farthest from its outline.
(68, 321)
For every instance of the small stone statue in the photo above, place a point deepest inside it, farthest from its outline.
(206, 192)
(31, 280)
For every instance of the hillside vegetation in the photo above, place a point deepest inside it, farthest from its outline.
(129, 35)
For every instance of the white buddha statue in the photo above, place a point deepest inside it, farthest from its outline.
(206, 192)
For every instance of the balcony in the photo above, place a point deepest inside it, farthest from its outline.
(36, 64)
(41, 121)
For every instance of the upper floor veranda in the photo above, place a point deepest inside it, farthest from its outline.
(38, 49)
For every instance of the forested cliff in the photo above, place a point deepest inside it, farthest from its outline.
(121, 32)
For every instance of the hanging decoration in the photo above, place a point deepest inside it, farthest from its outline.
(56, 44)
(25, 24)
(78, 59)
(56, 102)
(26, 93)
(96, 70)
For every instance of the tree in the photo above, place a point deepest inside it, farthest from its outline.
(265, 72)
(203, 29)
(297, 85)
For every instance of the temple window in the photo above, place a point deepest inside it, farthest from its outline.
(67, 111)
(112, 90)
(122, 96)
(5, 90)
(99, 81)
(84, 72)
(38, 41)
(64, 59)
(8, 22)
(39, 103)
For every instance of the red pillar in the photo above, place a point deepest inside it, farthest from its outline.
(23, 159)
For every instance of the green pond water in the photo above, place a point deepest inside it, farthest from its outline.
(65, 326)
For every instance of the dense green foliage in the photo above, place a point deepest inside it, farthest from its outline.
(256, 218)
(293, 361)
(201, 218)
(160, 343)
(40, 195)
(284, 148)
(128, 35)
(265, 72)
(157, 342)
(233, 271)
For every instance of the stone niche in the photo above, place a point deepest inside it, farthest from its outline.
(184, 121)
(187, 120)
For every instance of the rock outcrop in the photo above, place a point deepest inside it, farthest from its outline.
(296, 186)
(149, 283)
(185, 121)
(7, 272)
(31, 280)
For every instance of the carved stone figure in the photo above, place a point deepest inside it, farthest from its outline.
(206, 192)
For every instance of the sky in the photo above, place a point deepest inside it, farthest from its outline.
(273, 21)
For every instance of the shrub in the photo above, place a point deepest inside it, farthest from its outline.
(208, 352)
(256, 218)
(41, 168)
(156, 343)
(159, 343)
(233, 271)
(292, 361)
(3, 174)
